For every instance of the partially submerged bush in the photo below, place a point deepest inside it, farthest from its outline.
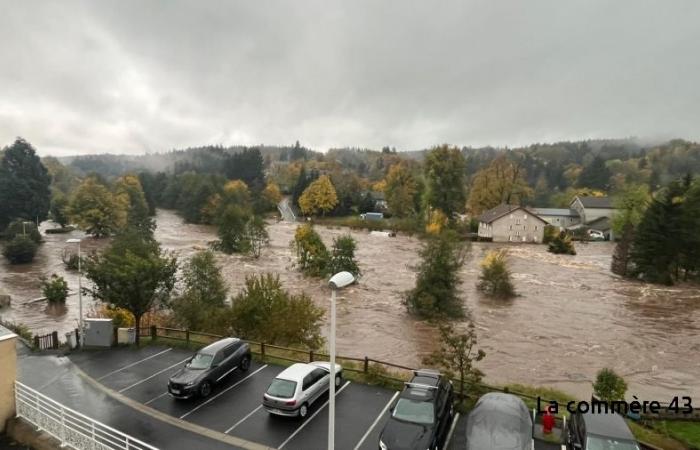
(562, 244)
(312, 255)
(495, 277)
(55, 289)
(609, 386)
(20, 250)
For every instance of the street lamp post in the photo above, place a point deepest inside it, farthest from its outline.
(337, 281)
(80, 291)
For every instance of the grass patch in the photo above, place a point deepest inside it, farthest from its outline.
(19, 329)
(654, 437)
(682, 431)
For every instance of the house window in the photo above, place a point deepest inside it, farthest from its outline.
(525, 216)
(511, 227)
(517, 221)
(535, 227)
(517, 233)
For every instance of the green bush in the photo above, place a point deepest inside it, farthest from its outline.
(343, 255)
(609, 386)
(55, 289)
(21, 227)
(550, 232)
(312, 255)
(495, 277)
(20, 250)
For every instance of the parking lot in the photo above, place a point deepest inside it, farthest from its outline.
(234, 407)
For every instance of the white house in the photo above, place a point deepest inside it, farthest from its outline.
(511, 223)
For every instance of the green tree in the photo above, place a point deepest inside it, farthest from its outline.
(595, 175)
(457, 354)
(55, 289)
(20, 250)
(620, 264)
(320, 196)
(232, 211)
(436, 290)
(609, 386)
(133, 273)
(96, 210)
(494, 279)
(445, 180)
(257, 235)
(630, 204)
(24, 184)
(21, 227)
(59, 208)
(312, 255)
(503, 181)
(400, 189)
(343, 255)
(658, 240)
(200, 306)
(129, 191)
(689, 225)
(265, 312)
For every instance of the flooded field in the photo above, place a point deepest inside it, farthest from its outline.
(572, 317)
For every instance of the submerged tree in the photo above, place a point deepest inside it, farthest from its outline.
(55, 289)
(609, 386)
(561, 244)
(312, 255)
(436, 291)
(494, 279)
(343, 256)
(445, 180)
(621, 255)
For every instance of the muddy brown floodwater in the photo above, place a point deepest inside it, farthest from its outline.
(571, 318)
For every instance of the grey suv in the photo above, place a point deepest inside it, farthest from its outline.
(209, 366)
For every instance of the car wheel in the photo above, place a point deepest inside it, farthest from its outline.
(338, 380)
(245, 363)
(205, 389)
(303, 411)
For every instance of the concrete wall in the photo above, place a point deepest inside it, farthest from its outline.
(517, 226)
(8, 373)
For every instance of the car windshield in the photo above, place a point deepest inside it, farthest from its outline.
(415, 411)
(282, 388)
(603, 443)
(201, 361)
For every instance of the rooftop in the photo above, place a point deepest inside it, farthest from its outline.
(501, 210)
(218, 345)
(595, 202)
(566, 212)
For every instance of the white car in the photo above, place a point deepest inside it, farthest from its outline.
(295, 389)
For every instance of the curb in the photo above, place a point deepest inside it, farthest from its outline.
(187, 426)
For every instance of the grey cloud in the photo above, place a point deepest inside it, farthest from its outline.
(134, 76)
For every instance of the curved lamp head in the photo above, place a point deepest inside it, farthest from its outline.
(340, 280)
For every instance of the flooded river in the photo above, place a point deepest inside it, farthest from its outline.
(571, 318)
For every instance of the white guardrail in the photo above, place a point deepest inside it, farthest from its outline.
(70, 427)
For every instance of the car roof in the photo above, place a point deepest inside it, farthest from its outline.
(296, 372)
(609, 424)
(499, 419)
(218, 345)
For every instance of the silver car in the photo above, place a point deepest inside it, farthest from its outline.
(293, 391)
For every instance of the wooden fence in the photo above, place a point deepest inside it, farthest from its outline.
(47, 341)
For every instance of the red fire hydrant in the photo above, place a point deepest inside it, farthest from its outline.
(547, 421)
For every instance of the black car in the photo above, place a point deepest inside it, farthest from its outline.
(209, 366)
(593, 431)
(422, 415)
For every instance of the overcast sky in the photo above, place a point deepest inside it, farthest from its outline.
(138, 76)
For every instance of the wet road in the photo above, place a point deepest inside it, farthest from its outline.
(572, 316)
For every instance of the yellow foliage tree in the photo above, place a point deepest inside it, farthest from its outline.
(272, 193)
(503, 181)
(438, 221)
(95, 209)
(320, 196)
(399, 190)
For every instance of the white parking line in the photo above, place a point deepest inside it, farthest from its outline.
(376, 421)
(221, 393)
(307, 421)
(154, 375)
(243, 419)
(452, 430)
(156, 398)
(133, 364)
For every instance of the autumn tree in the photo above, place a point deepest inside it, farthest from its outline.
(312, 255)
(494, 279)
(503, 181)
(445, 180)
(320, 196)
(96, 210)
(399, 190)
(272, 195)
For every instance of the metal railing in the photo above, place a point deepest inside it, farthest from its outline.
(70, 427)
